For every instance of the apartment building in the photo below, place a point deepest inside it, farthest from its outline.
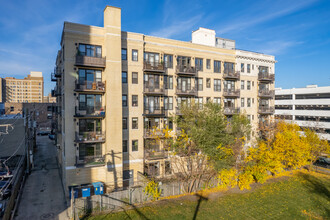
(29, 89)
(114, 86)
(309, 107)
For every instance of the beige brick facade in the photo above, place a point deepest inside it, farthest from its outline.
(105, 76)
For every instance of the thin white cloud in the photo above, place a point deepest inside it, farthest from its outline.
(247, 20)
(279, 47)
(177, 28)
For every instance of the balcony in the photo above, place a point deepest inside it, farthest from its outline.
(90, 161)
(229, 74)
(186, 70)
(231, 93)
(55, 92)
(155, 154)
(154, 112)
(88, 86)
(53, 78)
(266, 110)
(178, 111)
(186, 92)
(153, 91)
(57, 72)
(266, 93)
(153, 67)
(266, 77)
(230, 110)
(90, 112)
(153, 133)
(90, 137)
(87, 61)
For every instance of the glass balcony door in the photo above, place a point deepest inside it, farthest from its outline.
(152, 103)
(151, 82)
(184, 84)
(229, 103)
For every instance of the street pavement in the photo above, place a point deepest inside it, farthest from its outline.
(43, 196)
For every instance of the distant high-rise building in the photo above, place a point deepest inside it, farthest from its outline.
(29, 89)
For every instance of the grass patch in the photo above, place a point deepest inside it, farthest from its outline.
(305, 195)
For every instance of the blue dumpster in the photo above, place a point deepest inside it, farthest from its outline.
(98, 188)
(86, 191)
(76, 190)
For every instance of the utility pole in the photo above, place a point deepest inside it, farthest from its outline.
(27, 137)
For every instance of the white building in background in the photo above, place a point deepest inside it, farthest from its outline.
(308, 107)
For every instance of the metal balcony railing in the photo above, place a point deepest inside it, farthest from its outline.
(153, 91)
(90, 111)
(265, 76)
(186, 70)
(90, 137)
(231, 74)
(267, 110)
(90, 61)
(153, 67)
(231, 92)
(155, 154)
(230, 110)
(88, 86)
(154, 111)
(266, 93)
(186, 92)
(153, 133)
(90, 160)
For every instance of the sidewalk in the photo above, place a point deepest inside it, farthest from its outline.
(43, 196)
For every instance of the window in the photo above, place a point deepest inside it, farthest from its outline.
(135, 78)
(242, 68)
(89, 50)
(242, 102)
(229, 67)
(134, 55)
(199, 102)
(208, 83)
(151, 58)
(199, 64)
(124, 54)
(248, 102)
(248, 85)
(252, 83)
(12, 108)
(125, 123)
(242, 85)
(124, 77)
(168, 82)
(168, 103)
(87, 77)
(217, 66)
(125, 147)
(200, 84)
(49, 108)
(217, 100)
(90, 103)
(135, 124)
(124, 100)
(217, 85)
(168, 61)
(134, 100)
(135, 145)
(248, 67)
(89, 153)
(208, 64)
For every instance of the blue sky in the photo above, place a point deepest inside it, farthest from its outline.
(297, 32)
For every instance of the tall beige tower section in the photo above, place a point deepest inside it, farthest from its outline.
(112, 73)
